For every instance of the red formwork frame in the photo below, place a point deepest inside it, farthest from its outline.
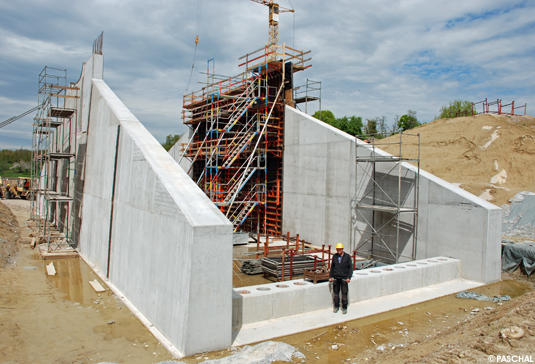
(259, 192)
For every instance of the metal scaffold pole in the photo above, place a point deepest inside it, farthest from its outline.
(385, 206)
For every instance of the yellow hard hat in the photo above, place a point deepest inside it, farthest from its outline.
(339, 246)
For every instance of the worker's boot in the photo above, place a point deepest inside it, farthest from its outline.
(344, 310)
(335, 309)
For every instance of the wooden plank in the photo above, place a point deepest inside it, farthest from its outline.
(97, 286)
(64, 87)
(50, 269)
(67, 96)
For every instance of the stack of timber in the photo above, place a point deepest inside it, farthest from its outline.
(272, 266)
(251, 267)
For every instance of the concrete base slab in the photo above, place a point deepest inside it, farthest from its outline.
(269, 329)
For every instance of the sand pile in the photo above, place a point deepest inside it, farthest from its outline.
(490, 156)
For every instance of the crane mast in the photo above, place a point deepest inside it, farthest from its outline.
(274, 11)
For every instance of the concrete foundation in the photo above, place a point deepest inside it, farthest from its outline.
(271, 301)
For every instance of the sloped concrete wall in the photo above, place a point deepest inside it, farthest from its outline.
(318, 179)
(152, 232)
(320, 182)
(179, 147)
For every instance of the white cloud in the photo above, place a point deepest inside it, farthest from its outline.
(373, 58)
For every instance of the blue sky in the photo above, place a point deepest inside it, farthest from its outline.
(374, 58)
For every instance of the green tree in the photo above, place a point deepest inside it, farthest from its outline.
(371, 126)
(326, 116)
(455, 109)
(408, 121)
(351, 125)
(170, 140)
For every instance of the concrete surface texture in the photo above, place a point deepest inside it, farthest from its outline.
(320, 180)
(151, 231)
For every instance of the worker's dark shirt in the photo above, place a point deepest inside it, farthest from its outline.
(342, 269)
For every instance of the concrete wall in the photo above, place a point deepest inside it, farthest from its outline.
(147, 227)
(318, 180)
(179, 147)
(321, 179)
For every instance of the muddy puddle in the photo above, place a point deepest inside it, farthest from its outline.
(353, 340)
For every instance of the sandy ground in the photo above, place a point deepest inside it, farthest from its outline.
(489, 156)
(60, 319)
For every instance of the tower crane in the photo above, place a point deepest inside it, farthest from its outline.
(274, 10)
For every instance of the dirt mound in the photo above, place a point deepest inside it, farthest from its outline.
(490, 156)
(9, 236)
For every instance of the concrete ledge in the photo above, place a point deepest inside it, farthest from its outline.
(275, 300)
(269, 329)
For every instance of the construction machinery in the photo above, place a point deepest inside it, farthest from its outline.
(22, 189)
(274, 11)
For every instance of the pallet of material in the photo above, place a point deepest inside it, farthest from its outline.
(272, 266)
(317, 275)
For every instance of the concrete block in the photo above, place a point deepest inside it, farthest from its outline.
(430, 272)
(317, 297)
(368, 284)
(412, 275)
(391, 280)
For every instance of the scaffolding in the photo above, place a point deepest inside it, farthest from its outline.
(385, 206)
(53, 152)
(237, 141)
(309, 92)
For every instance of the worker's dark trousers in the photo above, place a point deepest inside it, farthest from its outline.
(337, 285)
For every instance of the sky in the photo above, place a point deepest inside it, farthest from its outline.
(373, 58)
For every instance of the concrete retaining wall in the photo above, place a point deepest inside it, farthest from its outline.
(270, 301)
(156, 236)
(320, 179)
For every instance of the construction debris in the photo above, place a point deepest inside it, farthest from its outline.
(50, 270)
(97, 286)
(251, 267)
(481, 297)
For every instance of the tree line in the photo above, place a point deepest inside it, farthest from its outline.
(19, 158)
(377, 127)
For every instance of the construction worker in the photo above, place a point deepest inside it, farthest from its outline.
(340, 274)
